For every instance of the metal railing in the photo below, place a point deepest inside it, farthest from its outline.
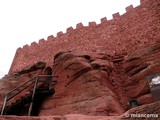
(33, 81)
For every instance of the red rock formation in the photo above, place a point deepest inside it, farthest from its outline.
(83, 87)
(91, 83)
(138, 66)
(103, 67)
(84, 76)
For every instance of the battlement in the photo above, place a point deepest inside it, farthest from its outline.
(122, 33)
(42, 41)
(78, 26)
(129, 8)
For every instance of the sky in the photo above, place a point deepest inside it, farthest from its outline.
(25, 21)
(156, 80)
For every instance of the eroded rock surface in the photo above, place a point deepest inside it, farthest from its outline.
(85, 86)
(95, 83)
(138, 66)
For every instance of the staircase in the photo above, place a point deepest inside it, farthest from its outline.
(27, 97)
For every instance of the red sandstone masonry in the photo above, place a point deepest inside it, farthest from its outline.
(59, 34)
(92, 24)
(79, 26)
(70, 29)
(116, 15)
(129, 8)
(104, 20)
(41, 41)
(135, 29)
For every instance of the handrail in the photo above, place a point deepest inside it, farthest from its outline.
(28, 82)
(32, 80)
(20, 86)
(19, 91)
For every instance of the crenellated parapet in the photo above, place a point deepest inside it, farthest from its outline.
(42, 41)
(129, 8)
(60, 34)
(116, 15)
(92, 24)
(127, 32)
(70, 29)
(79, 26)
(104, 20)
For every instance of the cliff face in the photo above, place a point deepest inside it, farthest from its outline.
(84, 86)
(92, 83)
(135, 29)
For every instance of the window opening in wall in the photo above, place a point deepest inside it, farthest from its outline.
(154, 84)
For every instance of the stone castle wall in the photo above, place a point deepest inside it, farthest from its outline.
(136, 29)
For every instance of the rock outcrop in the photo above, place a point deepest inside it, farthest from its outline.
(138, 66)
(94, 83)
(84, 86)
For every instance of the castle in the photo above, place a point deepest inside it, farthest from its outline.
(135, 29)
(103, 70)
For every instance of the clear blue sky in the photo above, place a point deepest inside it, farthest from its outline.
(26, 21)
